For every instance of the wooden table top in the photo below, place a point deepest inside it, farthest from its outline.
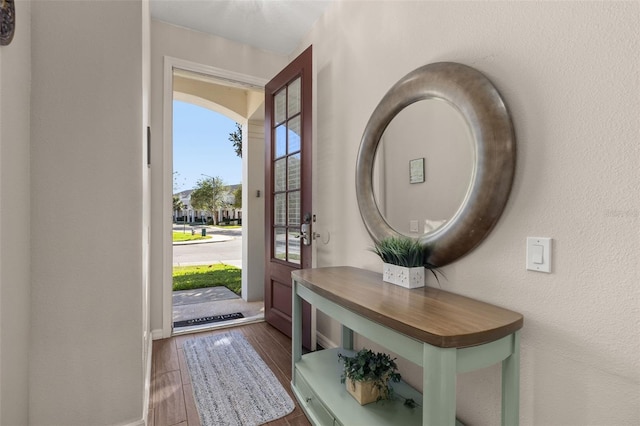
(431, 315)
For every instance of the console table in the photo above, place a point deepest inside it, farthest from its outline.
(442, 332)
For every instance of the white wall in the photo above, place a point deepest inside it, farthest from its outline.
(15, 229)
(199, 48)
(87, 360)
(569, 72)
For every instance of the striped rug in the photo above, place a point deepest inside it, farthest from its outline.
(232, 385)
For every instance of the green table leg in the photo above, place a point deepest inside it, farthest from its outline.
(511, 385)
(439, 395)
(296, 332)
(347, 338)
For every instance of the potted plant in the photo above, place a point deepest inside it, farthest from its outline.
(405, 260)
(367, 375)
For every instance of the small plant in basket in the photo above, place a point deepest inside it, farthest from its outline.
(367, 375)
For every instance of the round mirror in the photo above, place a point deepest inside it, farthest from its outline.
(483, 116)
(427, 146)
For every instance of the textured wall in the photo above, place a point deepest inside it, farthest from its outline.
(87, 351)
(15, 230)
(569, 72)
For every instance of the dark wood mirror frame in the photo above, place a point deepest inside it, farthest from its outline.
(486, 114)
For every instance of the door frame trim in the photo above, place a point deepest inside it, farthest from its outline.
(169, 63)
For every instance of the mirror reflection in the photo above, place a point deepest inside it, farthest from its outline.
(423, 168)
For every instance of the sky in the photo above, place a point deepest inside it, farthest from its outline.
(201, 146)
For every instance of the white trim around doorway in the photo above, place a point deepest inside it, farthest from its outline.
(171, 63)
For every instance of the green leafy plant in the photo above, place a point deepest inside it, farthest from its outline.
(368, 365)
(410, 402)
(401, 251)
(407, 252)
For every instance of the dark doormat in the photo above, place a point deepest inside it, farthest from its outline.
(207, 320)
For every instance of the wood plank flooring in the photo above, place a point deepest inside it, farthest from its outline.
(171, 401)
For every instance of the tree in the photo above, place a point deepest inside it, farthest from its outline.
(237, 198)
(236, 139)
(177, 204)
(209, 195)
(176, 184)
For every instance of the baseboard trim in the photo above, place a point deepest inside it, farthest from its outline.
(141, 422)
(157, 334)
(324, 341)
(147, 382)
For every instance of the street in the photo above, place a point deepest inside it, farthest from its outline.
(229, 252)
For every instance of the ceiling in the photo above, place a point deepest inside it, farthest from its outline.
(273, 25)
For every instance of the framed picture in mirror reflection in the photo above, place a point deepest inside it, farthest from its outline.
(416, 170)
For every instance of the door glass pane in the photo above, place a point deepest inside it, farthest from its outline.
(279, 209)
(294, 97)
(294, 135)
(280, 175)
(279, 105)
(294, 208)
(280, 243)
(293, 176)
(280, 135)
(294, 246)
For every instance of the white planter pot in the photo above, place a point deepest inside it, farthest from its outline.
(403, 276)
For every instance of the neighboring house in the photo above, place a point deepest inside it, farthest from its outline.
(231, 213)
(81, 295)
(191, 215)
(187, 213)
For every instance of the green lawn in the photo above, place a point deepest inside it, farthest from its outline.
(186, 236)
(191, 277)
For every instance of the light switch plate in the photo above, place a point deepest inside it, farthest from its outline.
(413, 226)
(539, 254)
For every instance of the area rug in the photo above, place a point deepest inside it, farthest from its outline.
(231, 384)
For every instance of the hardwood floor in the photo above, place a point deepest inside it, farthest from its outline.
(171, 401)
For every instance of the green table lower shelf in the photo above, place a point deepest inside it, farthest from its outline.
(316, 385)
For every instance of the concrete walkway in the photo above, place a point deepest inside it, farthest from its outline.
(217, 234)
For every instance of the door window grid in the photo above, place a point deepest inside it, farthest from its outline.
(286, 176)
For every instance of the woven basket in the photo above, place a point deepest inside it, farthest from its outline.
(364, 392)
